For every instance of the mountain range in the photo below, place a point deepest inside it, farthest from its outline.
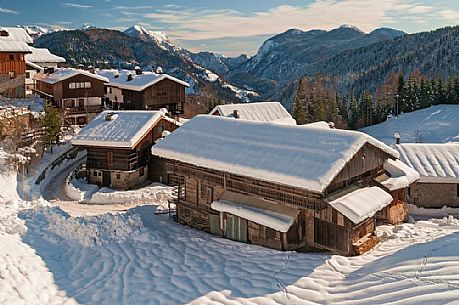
(356, 60)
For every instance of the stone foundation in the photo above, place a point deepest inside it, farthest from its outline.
(434, 195)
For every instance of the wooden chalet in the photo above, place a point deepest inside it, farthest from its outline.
(438, 168)
(272, 112)
(13, 49)
(279, 186)
(118, 146)
(38, 60)
(77, 93)
(139, 90)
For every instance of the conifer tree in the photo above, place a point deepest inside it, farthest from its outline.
(52, 123)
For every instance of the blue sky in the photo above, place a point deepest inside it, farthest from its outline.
(231, 27)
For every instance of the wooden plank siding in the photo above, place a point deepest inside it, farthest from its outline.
(318, 225)
(164, 94)
(17, 64)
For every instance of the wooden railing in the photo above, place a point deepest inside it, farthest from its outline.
(85, 109)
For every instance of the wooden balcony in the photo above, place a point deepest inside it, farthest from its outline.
(85, 109)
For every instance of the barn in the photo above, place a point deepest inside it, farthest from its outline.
(438, 166)
(285, 187)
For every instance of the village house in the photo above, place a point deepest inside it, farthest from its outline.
(140, 90)
(281, 186)
(77, 93)
(118, 145)
(36, 61)
(438, 166)
(13, 49)
(272, 112)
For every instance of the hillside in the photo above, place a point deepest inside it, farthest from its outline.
(434, 53)
(114, 49)
(436, 124)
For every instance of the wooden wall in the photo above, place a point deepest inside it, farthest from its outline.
(17, 65)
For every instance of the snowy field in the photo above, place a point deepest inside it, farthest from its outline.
(137, 257)
(436, 124)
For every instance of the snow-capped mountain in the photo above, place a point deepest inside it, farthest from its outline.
(160, 38)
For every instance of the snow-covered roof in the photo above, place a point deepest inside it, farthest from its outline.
(401, 175)
(61, 74)
(124, 130)
(308, 158)
(263, 111)
(361, 203)
(318, 124)
(267, 213)
(119, 78)
(434, 162)
(16, 34)
(14, 46)
(33, 66)
(41, 55)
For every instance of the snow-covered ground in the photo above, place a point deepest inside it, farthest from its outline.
(436, 124)
(136, 257)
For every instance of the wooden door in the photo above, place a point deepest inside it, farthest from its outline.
(214, 223)
(236, 228)
(106, 178)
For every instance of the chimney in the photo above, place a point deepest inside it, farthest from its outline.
(109, 116)
(397, 138)
(92, 70)
(80, 67)
(138, 71)
(235, 114)
(50, 70)
(129, 77)
(159, 70)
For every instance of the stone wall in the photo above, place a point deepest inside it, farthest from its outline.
(433, 195)
(12, 88)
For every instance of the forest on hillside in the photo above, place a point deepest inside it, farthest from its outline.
(317, 99)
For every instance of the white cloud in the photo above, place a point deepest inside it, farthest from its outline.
(7, 11)
(76, 5)
(324, 14)
(450, 15)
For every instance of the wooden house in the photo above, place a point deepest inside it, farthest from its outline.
(282, 186)
(77, 93)
(139, 90)
(272, 112)
(13, 49)
(36, 61)
(118, 146)
(438, 167)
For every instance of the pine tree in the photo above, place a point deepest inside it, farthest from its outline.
(298, 112)
(52, 123)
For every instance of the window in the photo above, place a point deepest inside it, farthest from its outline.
(100, 174)
(87, 85)
(95, 174)
(141, 172)
(118, 176)
(80, 85)
(27, 74)
(11, 56)
(72, 86)
(12, 74)
(109, 89)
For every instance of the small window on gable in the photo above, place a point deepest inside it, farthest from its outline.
(87, 85)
